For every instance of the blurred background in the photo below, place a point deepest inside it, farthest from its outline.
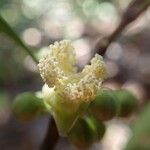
(41, 22)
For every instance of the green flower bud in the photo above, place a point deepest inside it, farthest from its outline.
(104, 107)
(86, 131)
(27, 106)
(127, 103)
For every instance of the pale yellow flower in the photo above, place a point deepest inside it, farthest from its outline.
(58, 70)
(67, 93)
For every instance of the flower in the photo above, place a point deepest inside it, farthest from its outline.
(70, 92)
(58, 70)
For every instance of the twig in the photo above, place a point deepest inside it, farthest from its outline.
(135, 8)
(51, 136)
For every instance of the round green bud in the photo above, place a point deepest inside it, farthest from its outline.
(104, 106)
(27, 106)
(86, 131)
(127, 103)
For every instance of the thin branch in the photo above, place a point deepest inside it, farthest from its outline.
(135, 8)
(51, 136)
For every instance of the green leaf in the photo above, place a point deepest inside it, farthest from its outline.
(141, 132)
(6, 28)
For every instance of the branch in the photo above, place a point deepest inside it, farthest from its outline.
(135, 8)
(51, 136)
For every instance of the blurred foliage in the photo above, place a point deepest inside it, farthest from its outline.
(4, 100)
(3, 3)
(4, 27)
(140, 138)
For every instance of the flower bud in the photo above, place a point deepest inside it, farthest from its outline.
(104, 106)
(27, 106)
(127, 103)
(86, 131)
